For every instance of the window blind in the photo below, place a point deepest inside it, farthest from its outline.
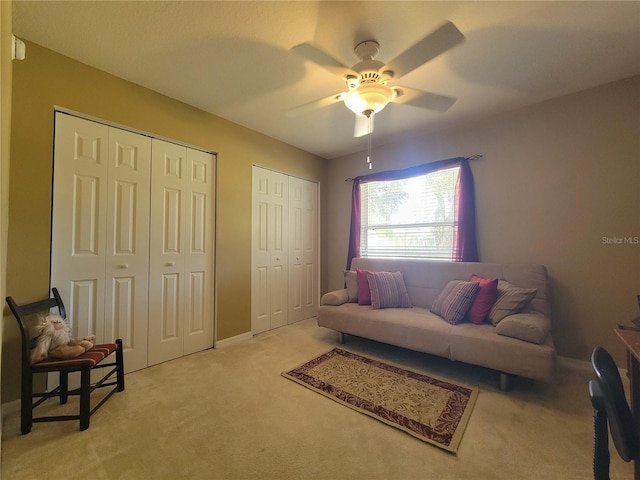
(411, 217)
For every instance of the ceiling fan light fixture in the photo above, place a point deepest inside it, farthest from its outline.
(369, 97)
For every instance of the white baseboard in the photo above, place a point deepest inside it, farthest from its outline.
(227, 342)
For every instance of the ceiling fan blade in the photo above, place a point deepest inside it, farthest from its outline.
(322, 59)
(364, 125)
(315, 105)
(420, 99)
(437, 42)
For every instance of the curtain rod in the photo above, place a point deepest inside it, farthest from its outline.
(477, 156)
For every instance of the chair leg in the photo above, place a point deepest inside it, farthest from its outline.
(601, 457)
(64, 387)
(26, 403)
(120, 365)
(505, 381)
(85, 397)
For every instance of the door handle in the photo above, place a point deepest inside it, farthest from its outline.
(123, 265)
(170, 264)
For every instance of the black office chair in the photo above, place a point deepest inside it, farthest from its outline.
(610, 406)
(85, 363)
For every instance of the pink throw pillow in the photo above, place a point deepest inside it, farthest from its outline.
(484, 300)
(364, 294)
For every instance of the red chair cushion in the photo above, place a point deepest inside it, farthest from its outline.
(93, 356)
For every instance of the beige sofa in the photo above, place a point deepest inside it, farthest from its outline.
(520, 344)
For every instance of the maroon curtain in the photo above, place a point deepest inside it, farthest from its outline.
(465, 248)
(354, 232)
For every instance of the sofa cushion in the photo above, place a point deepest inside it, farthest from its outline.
(364, 294)
(528, 326)
(484, 300)
(511, 300)
(351, 282)
(388, 290)
(455, 299)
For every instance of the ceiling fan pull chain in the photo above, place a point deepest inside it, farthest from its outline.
(369, 141)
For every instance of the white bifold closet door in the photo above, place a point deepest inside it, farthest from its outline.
(303, 249)
(285, 258)
(181, 252)
(132, 240)
(270, 244)
(100, 232)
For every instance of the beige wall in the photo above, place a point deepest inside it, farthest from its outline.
(555, 179)
(46, 79)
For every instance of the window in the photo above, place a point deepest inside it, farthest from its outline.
(425, 211)
(409, 217)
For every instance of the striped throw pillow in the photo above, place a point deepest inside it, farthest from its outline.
(511, 300)
(454, 301)
(388, 290)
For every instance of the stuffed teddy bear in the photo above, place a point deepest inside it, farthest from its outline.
(54, 341)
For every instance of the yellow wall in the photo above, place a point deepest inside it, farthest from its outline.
(555, 179)
(46, 79)
(5, 134)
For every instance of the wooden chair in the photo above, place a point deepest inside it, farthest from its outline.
(85, 364)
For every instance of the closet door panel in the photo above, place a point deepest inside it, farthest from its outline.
(79, 221)
(166, 258)
(303, 250)
(296, 210)
(310, 250)
(84, 300)
(199, 252)
(127, 255)
(170, 318)
(278, 239)
(260, 258)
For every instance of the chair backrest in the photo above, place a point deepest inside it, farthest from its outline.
(22, 312)
(619, 415)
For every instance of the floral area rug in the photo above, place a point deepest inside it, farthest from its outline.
(430, 409)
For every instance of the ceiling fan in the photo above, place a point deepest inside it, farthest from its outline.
(367, 81)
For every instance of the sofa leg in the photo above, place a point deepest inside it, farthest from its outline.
(342, 338)
(505, 381)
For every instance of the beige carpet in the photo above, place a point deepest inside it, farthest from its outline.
(229, 414)
(430, 409)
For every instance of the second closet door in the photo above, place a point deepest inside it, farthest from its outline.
(284, 263)
(181, 252)
(269, 277)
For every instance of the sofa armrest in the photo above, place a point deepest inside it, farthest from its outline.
(529, 326)
(335, 298)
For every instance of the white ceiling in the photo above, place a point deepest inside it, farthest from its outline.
(233, 58)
